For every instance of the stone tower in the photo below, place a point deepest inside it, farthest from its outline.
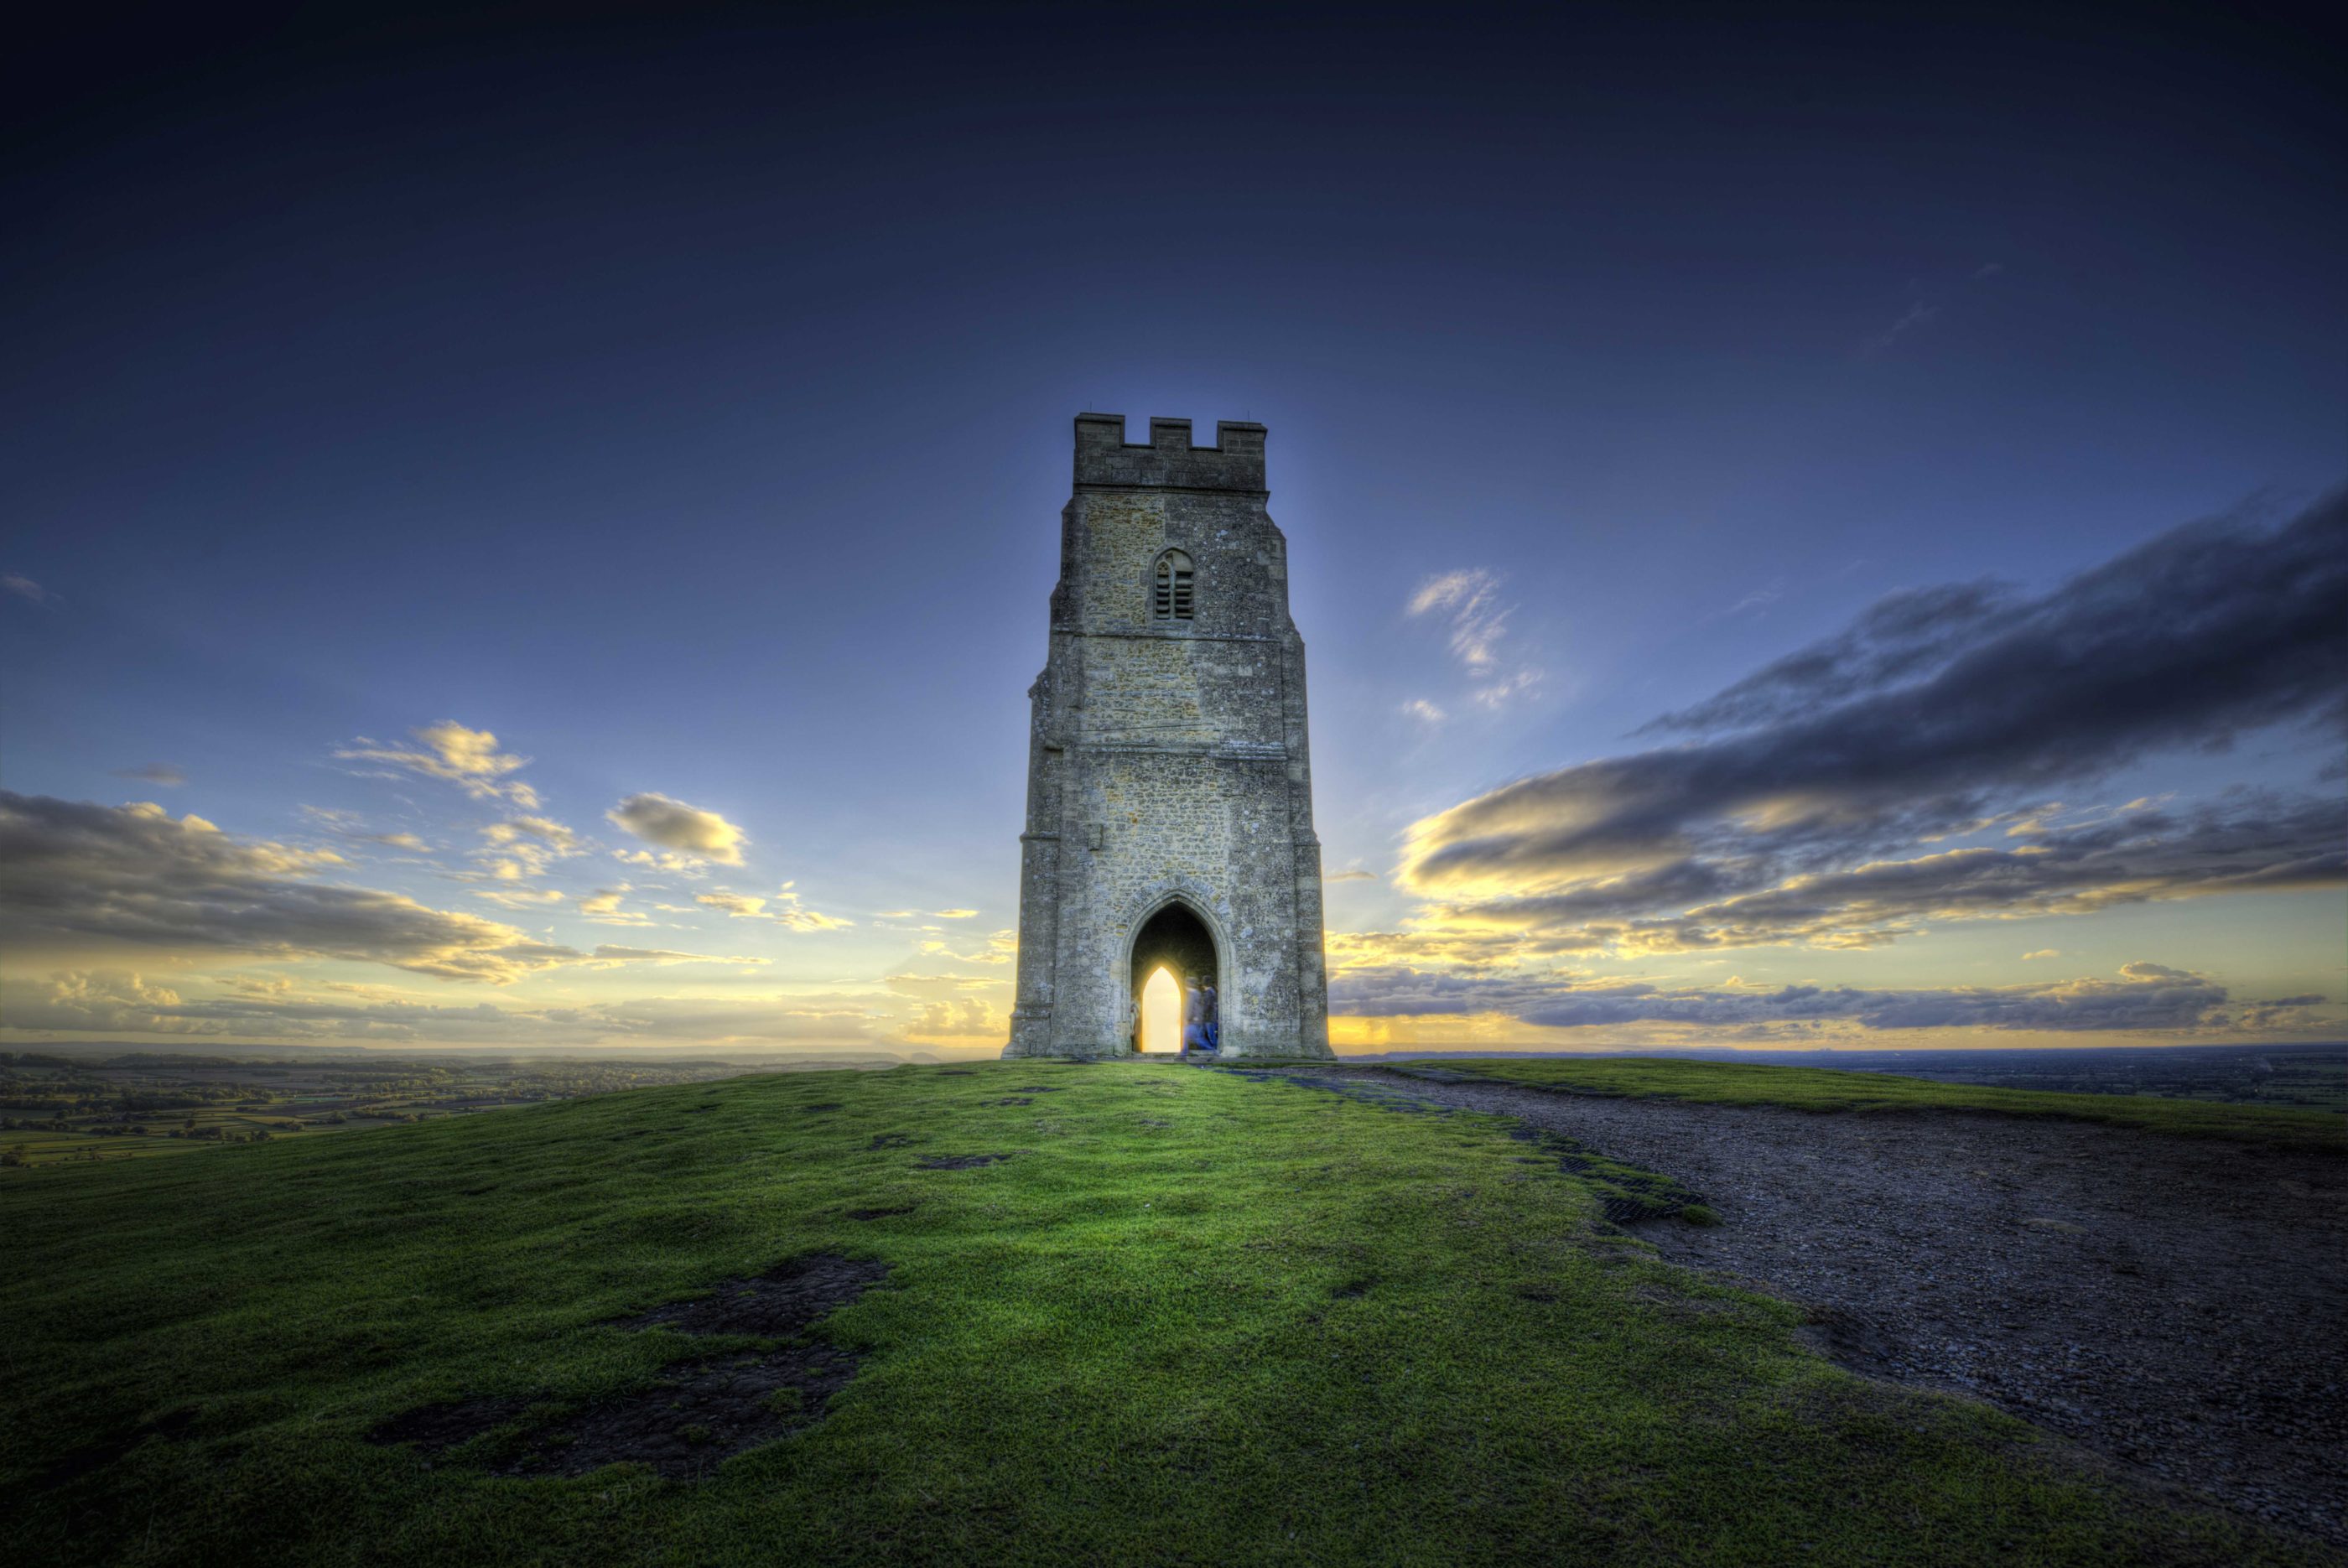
(1169, 789)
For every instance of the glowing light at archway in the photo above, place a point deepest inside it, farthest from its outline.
(1161, 1012)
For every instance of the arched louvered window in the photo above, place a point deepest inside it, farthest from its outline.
(1170, 595)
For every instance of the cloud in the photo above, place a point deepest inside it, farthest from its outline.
(960, 1018)
(25, 588)
(954, 914)
(1470, 602)
(158, 773)
(742, 907)
(1795, 809)
(518, 897)
(2041, 953)
(1917, 316)
(686, 830)
(1499, 692)
(469, 758)
(786, 909)
(1350, 876)
(602, 907)
(673, 865)
(73, 875)
(116, 1003)
(2252, 841)
(1769, 594)
(523, 847)
(2146, 997)
(607, 956)
(349, 823)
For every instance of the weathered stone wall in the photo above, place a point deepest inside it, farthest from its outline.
(1167, 758)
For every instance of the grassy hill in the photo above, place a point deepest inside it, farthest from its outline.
(1190, 1317)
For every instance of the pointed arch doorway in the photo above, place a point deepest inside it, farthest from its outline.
(1172, 947)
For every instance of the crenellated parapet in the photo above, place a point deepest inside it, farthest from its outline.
(1167, 459)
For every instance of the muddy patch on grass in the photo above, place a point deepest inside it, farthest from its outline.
(958, 1161)
(699, 1412)
(436, 1429)
(881, 1213)
(890, 1140)
(775, 1304)
(1010, 1099)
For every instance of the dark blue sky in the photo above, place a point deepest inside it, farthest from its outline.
(686, 402)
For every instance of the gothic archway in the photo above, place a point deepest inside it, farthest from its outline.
(1176, 939)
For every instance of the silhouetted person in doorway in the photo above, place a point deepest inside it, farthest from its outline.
(1194, 1014)
(1208, 1019)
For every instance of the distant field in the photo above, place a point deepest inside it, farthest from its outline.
(1180, 1316)
(1825, 1089)
(85, 1109)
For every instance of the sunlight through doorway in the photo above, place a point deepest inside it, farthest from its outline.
(1161, 1012)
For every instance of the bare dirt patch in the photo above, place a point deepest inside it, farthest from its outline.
(702, 1413)
(774, 1306)
(698, 1411)
(2177, 1304)
(958, 1161)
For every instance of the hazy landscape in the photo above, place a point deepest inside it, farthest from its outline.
(87, 1103)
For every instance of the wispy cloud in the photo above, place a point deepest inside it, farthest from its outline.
(522, 847)
(782, 907)
(1470, 600)
(606, 956)
(1468, 603)
(602, 907)
(469, 758)
(25, 588)
(1769, 594)
(1916, 315)
(161, 774)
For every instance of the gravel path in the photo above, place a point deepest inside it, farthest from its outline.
(2177, 1304)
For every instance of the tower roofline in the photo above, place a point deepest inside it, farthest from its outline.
(1167, 459)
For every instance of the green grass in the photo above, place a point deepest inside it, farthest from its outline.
(1826, 1089)
(1125, 1343)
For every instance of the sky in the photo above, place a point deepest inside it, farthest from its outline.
(1813, 529)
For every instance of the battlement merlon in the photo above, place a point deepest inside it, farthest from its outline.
(1168, 461)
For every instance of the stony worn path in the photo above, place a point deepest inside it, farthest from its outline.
(2177, 1304)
